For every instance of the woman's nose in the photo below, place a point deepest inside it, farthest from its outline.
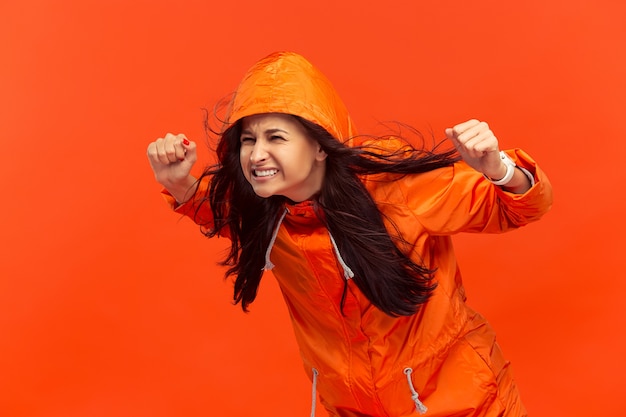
(259, 153)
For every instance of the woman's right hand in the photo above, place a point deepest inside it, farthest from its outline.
(171, 159)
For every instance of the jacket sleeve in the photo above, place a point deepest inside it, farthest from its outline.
(460, 199)
(197, 208)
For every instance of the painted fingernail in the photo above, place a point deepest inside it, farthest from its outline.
(185, 141)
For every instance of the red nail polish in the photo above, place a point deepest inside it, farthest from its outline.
(185, 142)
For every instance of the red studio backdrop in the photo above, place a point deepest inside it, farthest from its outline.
(111, 305)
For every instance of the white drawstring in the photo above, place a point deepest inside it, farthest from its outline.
(268, 263)
(419, 406)
(314, 392)
(347, 272)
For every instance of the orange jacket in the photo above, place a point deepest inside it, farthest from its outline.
(362, 361)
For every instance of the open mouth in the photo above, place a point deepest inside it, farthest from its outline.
(260, 173)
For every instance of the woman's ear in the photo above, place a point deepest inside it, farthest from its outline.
(321, 154)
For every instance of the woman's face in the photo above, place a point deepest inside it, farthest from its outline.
(278, 158)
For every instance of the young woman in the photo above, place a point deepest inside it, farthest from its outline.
(357, 231)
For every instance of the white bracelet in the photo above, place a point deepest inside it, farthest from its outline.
(510, 170)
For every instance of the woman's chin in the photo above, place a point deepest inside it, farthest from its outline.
(263, 193)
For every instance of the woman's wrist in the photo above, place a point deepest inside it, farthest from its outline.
(514, 179)
(182, 190)
(505, 172)
(520, 182)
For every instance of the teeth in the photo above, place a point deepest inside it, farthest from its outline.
(265, 173)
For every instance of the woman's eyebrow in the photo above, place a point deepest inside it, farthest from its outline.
(268, 131)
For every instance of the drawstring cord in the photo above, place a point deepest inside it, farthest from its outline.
(314, 392)
(419, 406)
(268, 263)
(347, 272)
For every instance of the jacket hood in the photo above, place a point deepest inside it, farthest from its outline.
(285, 82)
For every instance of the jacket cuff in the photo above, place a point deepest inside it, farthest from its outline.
(539, 196)
(186, 209)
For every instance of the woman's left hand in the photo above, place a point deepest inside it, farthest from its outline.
(478, 147)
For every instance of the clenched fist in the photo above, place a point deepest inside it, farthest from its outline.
(478, 147)
(171, 159)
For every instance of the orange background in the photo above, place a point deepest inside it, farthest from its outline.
(112, 306)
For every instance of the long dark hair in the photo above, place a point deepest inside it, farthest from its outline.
(383, 272)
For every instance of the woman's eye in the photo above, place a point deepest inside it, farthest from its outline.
(245, 139)
(276, 137)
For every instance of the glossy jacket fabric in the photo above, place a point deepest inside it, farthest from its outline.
(364, 362)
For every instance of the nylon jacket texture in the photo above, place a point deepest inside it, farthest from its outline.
(360, 357)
